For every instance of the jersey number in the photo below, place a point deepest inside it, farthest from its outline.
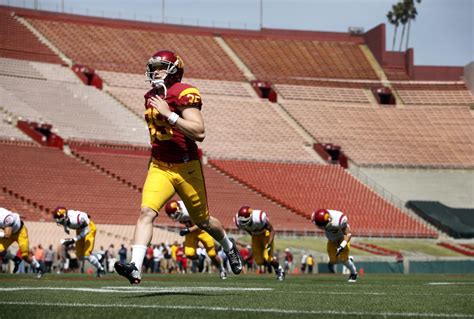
(159, 130)
(193, 99)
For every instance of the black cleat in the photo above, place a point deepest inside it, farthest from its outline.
(352, 278)
(100, 273)
(129, 271)
(235, 260)
(17, 262)
(280, 274)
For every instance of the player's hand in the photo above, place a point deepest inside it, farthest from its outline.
(160, 105)
(67, 241)
(184, 232)
(339, 250)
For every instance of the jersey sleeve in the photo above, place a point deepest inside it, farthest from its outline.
(83, 220)
(264, 218)
(189, 97)
(343, 223)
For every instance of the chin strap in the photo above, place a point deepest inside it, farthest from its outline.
(160, 82)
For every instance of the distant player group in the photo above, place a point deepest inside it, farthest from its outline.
(175, 124)
(253, 221)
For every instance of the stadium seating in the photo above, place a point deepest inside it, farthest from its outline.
(29, 48)
(95, 114)
(404, 136)
(441, 97)
(14, 203)
(8, 131)
(137, 81)
(300, 61)
(300, 92)
(251, 129)
(50, 178)
(225, 196)
(127, 168)
(306, 187)
(322, 83)
(95, 45)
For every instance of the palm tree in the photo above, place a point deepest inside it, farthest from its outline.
(403, 18)
(402, 12)
(394, 18)
(412, 13)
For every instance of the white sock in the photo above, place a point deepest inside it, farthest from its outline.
(35, 263)
(138, 254)
(226, 243)
(350, 265)
(95, 261)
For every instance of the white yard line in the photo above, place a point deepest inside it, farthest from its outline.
(447, 283)
(137, 289)
(247, 310)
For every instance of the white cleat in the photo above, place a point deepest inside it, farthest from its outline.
(223, 274)
(352, 278)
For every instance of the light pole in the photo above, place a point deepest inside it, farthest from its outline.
(162, 11)
(261, 14)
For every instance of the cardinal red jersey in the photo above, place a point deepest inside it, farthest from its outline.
(169, 144)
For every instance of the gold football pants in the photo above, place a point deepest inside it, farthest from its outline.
(186, 179)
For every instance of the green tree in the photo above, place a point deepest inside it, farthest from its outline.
(403, 19)
(394, 17)
(412, 12)
(403, 12)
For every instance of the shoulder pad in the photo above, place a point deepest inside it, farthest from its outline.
(185, 95)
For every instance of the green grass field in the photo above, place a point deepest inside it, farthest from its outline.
(244, 296)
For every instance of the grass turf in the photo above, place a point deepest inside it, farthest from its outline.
(244, 296)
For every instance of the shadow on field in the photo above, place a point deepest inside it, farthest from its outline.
(170, 293)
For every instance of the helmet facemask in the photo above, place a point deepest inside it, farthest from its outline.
(245, 221)
(175, 216)
(60, 216)
(157, 70)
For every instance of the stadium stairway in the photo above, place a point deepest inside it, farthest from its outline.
(379, 71)
(45, 40)
(377, 250)
(464, 249)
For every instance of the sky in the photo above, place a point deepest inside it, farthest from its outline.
(443, 33)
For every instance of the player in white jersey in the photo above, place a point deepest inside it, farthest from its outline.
(85, 235)
(338, 233)
(177, 211)
(257, 224)
(13, 230)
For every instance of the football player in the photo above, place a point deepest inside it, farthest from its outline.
(258, 225)
(13, 230)
(338, 233)
(85, 235)
(175, 123)
(176, 210)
